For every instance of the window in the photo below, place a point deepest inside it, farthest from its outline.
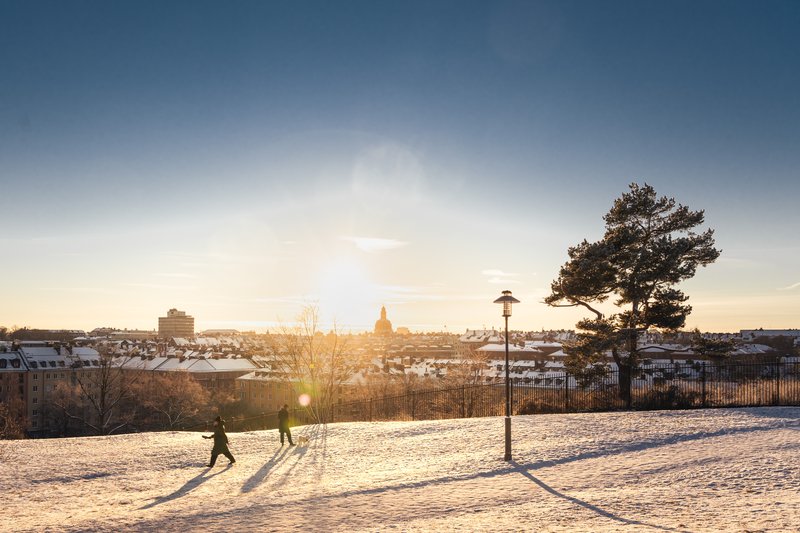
(35, 423)
(35, 412)
(36, 376)
(47, 376)
(53, 364)
(36, 400)
(34, 364)
(35, 388)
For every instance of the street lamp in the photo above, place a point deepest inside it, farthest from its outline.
(506, 299)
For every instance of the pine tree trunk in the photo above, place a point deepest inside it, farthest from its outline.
(625, 375)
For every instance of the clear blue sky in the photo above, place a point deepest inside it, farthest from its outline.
(236, 159)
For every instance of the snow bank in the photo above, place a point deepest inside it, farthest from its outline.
(705, 470)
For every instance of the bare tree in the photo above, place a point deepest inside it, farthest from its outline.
(468, 372)
(174, 397)
(12, 425)
(469, 367)
(312, 362)
(64, 399)
(103, 395)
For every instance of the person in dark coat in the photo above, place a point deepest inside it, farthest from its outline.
(220, 442)
(283, 424)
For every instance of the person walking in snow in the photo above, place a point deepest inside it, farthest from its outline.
(220, 442)
(283, 424)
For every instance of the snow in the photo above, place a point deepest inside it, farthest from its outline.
(702, 470)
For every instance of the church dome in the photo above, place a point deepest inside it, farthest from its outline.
(383, 326)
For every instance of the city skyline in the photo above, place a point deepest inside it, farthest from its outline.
(241, 161)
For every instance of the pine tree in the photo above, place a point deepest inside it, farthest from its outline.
(649, 247)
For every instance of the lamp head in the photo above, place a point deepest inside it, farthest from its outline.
(506, 299)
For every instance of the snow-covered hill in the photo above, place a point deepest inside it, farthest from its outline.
(710, 470)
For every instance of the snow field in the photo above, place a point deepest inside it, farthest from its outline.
(704, 470)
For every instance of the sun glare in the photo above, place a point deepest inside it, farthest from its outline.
(347, 295)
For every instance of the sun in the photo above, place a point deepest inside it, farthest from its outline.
(347, 295)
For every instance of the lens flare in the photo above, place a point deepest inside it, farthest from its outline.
(304, 400)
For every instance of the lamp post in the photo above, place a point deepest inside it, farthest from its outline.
(506, 299)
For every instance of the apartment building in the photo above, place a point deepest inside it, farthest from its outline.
(30, 374)
(176, 324)
(266, 391)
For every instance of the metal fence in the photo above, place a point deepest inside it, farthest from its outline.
(673, 386)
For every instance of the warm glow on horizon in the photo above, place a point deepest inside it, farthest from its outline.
(347, 295)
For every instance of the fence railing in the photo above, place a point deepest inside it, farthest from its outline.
(673, 386)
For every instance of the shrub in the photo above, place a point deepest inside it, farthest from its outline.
(671, 397)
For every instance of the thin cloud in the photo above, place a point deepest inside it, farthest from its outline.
(397, 294)
(498, 273)
(500, 281)
(500, 277)
(295, 300)
(178, 275)
(370, 244)
(790, 287)
(99, 290)
(161, 287)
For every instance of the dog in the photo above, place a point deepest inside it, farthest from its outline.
(302, 440)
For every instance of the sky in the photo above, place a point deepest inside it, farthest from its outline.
(239, 161)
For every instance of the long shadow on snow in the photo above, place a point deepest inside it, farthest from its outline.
(516, 468)
(586, 505)
(648, 444)
(633, 447)
(187, 487)
(787, 415)
(318, 437)
(69, 479)
(258, 478)
(300, 451)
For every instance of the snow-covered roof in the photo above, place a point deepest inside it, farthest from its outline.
(543, 344)
(176, 363)
(228, 365)
(11, 362)
(481, 335)
(265, 375)
(146, 363)
(38, 351)
(511, 348)
(750, 349)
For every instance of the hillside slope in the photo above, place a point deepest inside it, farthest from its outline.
(707, 470)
